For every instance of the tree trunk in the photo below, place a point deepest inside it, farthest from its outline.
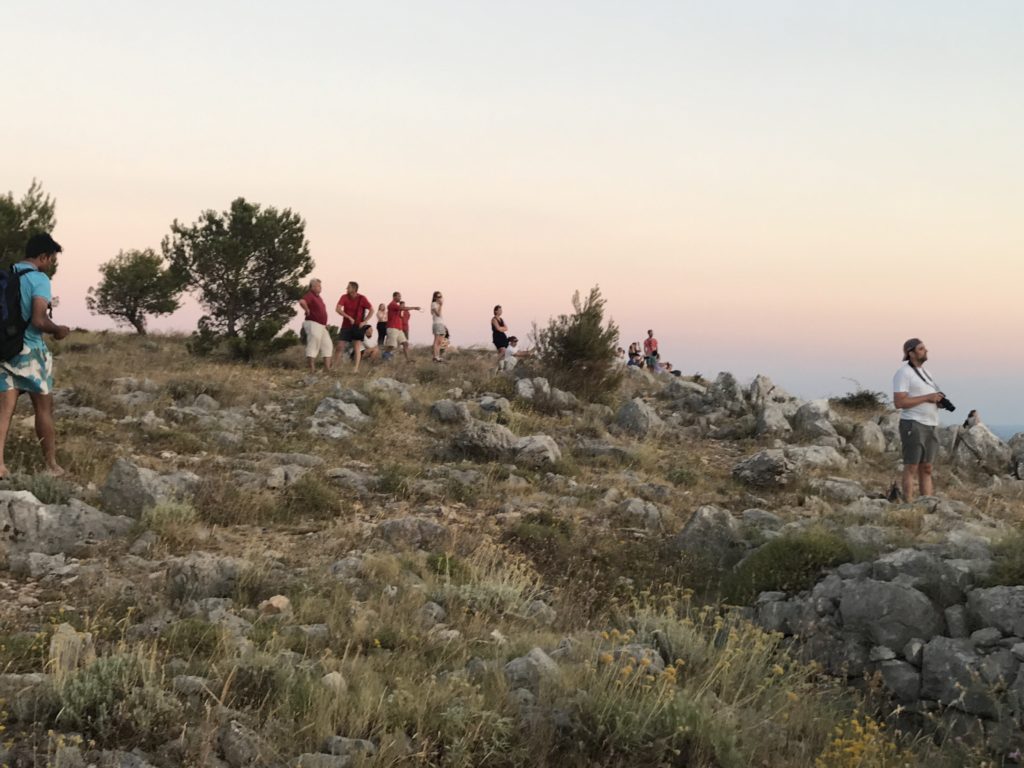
(139, 321)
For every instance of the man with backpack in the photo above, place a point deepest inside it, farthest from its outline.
(28, 365)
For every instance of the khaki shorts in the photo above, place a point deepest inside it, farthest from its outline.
(395, 338)
(920, 443)
(318, 340)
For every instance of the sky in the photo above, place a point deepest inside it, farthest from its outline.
(788, 187)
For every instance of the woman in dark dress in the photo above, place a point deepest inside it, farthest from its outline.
(499, 331)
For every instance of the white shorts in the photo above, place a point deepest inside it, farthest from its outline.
(439, 328)
(318, 340)
(396, 337)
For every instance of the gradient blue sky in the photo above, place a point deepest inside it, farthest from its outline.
(786, 187)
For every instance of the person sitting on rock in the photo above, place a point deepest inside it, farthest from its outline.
(511, 356)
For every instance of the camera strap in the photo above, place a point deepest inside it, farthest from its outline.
(926, 378)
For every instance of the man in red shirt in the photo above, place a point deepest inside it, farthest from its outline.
(398, 324)
(651, 350)
(354, 309)
(318, 340)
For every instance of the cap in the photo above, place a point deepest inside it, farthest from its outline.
(908, 346)
(40, 245)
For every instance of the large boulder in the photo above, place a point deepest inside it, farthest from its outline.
(28, 525)
(537, 451)
(951, 673)
(203, 574)
(979, 449)
(814, 420)
(387, 387)
(771, 420)
(450, 412)
(769, 468)
(940, 581)
(638, 418)
(887, 613)
(869, 438)
(485, 440)
(528, 671)
(414, 533)
(131, 489)
(711, 533)
(807, 457)
(999, 607)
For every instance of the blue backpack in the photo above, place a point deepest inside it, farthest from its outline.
(12, 322)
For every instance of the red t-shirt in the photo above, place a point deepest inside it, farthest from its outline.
(355, 306)
(406, 314)
(650, 346)
(317, 309)
(395, 315)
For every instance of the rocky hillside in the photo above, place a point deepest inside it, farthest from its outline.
(427, 565)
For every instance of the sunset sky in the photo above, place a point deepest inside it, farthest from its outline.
(784, 187)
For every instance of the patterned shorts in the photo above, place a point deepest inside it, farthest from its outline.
(30, 371)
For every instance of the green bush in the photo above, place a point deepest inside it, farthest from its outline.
(788, 563)
(1007, 561)
(115, 700)
(862, 400)
(579, 352)
(310, 497)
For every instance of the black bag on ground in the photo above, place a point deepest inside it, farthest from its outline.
(12, 324)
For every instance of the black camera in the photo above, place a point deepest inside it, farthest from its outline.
(945, 405)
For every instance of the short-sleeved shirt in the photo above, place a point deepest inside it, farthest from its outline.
(355, 306)
(906, 380)
(650, 346)
(317, 309)
(33, 283)
(395, 311)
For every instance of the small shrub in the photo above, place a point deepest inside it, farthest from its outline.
(221, 502)
(1007, 561)
(49, 490)
(310, 497)
(394, 479)
(683, 476)
(188, 389)
(116, 700)
(191, 638)
(448, 567)
(788, 563)
(23, 652)
(544, 536)
(862, 400)
(579, 352)
(170, 520)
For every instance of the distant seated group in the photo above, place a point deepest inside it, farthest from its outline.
(647, 356)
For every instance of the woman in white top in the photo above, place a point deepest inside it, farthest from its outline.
(438, 327)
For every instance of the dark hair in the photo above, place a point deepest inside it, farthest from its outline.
(396, 294)
(497, 307)
(354, 284)
(513, 340)
(41, 245)
(436, 295)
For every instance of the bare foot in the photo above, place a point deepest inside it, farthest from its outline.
(55, 471)
(4, 473)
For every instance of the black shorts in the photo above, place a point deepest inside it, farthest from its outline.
(353, 333)
(500, 340)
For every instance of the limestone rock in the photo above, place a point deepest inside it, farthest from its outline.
(887, 613)
(529, 670)
(980, 449)
(28, 525)
(638, 418)
(70, 651)
(868, 438)
(769, 468)
(537, 451)
(711, 533)
(131, 489)
(951, 674)
(486, 440)
(203, 574)
(414, 532)
(450, 412)
(999, 607)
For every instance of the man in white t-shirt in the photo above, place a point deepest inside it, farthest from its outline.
(916, 395)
